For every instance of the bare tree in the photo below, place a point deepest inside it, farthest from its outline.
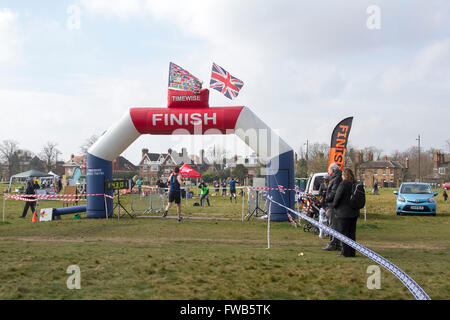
(8, 153)
(318, 157)
(216, 156)
(88, 143)
(447, 145)
(375, 152)
(50, 154)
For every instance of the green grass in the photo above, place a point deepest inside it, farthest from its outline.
(217, 259)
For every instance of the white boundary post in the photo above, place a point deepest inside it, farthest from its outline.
(243, 198)
(106, 205)
(365, 213)
(3, 208)
(268, 224)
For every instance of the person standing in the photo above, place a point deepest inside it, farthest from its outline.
(224, 188)
(204, 191)
(59, 185)
(139, 185)
(445, 195)
(232, 184)
(335, 179)
(216, 187)
(36, 184)
(375, 188)
(175, 185)
(345, 215)
(29, 204)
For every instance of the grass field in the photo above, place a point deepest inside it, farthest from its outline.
(148, 258)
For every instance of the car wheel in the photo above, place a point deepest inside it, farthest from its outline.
(398, 213)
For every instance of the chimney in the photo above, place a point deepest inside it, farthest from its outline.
(436, 159)
(144, 152)
(370, 156)
(202, 156)
(169, 151)
(72, 156)
(235, 158)
(407, 163)
(359, 157)
(385, 158)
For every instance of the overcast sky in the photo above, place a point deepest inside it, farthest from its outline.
(70, 69)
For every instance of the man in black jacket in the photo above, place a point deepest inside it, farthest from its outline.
(28, 204)
(336, 178)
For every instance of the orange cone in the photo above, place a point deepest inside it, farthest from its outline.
(34, 219)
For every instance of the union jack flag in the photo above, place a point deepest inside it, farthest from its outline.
(224, 82)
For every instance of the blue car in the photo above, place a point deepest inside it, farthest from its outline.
(415, 198)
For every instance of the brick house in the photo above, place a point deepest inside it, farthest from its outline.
(387, 173)
(75, 162)
(155, 165)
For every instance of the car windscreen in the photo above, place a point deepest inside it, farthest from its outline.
(416, 189)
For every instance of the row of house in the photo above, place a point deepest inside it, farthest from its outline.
(155, 165)
(392, 173)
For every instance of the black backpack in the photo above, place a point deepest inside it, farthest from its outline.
(358, 196)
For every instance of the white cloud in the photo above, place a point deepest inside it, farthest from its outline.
(9, 38)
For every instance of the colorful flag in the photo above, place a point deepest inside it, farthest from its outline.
(180, 79)
(224, 82)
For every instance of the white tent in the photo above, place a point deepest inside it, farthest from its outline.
(53, 174)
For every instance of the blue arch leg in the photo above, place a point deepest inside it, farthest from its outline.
(281, 172)
(98, 171)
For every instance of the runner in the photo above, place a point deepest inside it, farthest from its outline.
(175, 184)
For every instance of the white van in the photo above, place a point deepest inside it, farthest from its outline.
(314, 182)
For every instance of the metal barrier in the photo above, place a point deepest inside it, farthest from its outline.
(148, 201)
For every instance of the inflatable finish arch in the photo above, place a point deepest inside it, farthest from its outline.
(212, 120)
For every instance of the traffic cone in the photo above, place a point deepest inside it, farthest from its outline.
(34, 219)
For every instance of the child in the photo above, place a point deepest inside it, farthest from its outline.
(323, 220)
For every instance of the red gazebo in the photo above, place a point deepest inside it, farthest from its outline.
(187, 172)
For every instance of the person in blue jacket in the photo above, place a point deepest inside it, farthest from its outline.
(232, 184)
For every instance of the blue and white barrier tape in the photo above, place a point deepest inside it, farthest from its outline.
(412, 286)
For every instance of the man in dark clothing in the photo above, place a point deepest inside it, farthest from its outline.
(232, 184)
(59, 185)
(175, 185)
(336, 178)
(29, 204)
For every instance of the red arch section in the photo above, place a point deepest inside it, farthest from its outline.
(166, 120)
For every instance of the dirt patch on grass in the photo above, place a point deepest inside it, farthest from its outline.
(383, 245)
(132, 240)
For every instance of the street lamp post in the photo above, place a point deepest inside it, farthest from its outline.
(418, 139)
